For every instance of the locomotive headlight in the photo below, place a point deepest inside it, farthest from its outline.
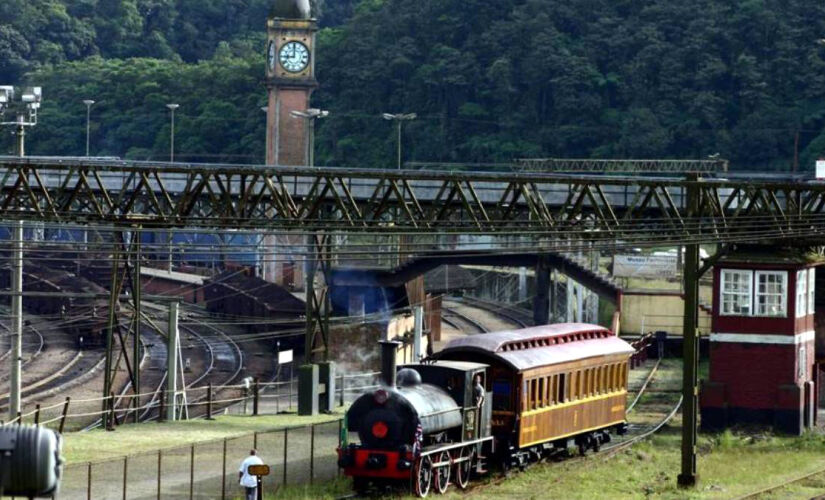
(380, 429)
(381, 396)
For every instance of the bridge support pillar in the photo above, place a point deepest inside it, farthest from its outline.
(541, 300)
(316, 339)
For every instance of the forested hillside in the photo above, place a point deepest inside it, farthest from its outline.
(490, 80)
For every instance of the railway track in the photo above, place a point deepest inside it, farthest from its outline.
(520, 317)
(222, 362)
(775, 489)
(461, 322)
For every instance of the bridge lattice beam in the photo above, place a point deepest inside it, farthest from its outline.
(349, 200)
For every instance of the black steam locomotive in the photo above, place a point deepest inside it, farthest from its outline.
(420, 427)
(501, 399)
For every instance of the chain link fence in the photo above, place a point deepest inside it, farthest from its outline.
(209, 470)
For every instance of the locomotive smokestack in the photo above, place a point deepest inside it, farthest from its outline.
(389, 350)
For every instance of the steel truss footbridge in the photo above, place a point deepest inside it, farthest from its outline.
(687, 203)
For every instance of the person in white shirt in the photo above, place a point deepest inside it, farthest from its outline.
(247, 480)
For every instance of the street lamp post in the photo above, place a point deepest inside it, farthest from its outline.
(25, 111)
(399, 118)
(88, 103)
(172, 107)
(310, 116)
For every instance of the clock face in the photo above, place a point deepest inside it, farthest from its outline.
(294, 57)
(271, 56)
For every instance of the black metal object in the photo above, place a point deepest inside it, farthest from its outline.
(389, 353)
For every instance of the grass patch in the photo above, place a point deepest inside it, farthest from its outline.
(730, 465)
(137, 438)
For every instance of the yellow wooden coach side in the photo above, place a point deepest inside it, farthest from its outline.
(568, 399)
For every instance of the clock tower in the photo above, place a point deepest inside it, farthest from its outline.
(290, 81)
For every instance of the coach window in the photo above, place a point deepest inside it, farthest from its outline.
(736, 289)
(771, 297)
(541, 392)
(579, 379)
(561, 391)
(605, 383)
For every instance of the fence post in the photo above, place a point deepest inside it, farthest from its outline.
(65, 414)
(160, 453)
(125, 474)
(286, 446)
(255, 395)
(209, 402)
(341, 444)
(162, 408)
(223, 472)
(312, 453)
(255, 439)
(111, 420)
(37, 414)
(89, 482)
(192, 471)
(343, 381)
(19, 418)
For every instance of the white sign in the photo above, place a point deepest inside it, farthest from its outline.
(285, 357)
(644, 266)
(820, 169)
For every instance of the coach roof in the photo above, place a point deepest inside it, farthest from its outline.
(541, 345)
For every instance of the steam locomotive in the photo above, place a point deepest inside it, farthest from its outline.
(543, 390)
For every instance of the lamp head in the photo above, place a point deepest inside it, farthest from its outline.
(173, 106)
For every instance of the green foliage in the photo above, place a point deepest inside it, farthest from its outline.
(490, 80)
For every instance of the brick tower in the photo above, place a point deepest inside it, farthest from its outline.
(290, 81)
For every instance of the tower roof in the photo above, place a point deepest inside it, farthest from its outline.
(291, 9)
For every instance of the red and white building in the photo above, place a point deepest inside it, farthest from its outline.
(762, 344)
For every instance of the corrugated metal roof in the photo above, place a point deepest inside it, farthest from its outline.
(541, 345)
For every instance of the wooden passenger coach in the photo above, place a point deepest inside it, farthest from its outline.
(551, 384)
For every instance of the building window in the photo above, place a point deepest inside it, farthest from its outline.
(771, 289)
(811, 289)
(736, 292)
(801, 293)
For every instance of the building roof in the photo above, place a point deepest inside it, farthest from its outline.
(541, 345)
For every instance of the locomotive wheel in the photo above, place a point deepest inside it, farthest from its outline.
(463, 469)
(423, 476)
(442, 473)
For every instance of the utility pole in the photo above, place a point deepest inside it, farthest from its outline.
(172, 363)
(138, 310)
(17, 321)
(690, 374)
